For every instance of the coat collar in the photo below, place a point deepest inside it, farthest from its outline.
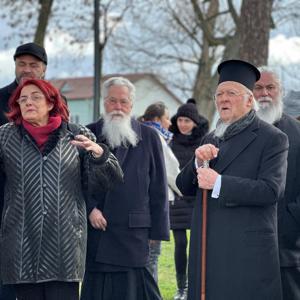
(12, 87)
(231, 148)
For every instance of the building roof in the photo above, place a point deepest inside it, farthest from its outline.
(82, 87)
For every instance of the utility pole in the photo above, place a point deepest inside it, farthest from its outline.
(96, 62)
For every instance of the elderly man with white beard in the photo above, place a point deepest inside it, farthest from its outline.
(122, 221)
(268, 93)
(244, 180)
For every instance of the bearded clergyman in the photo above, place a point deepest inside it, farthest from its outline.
(122, 221)
(268, 93)
(244, 180)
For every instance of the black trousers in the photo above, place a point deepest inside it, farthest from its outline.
(7, 292)
(290, 280)
(134, 284)
(180, 255)
(52, 290)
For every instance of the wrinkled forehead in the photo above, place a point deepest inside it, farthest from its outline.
(228, 85)
(267, 78)
(119, 89)
(30, 88)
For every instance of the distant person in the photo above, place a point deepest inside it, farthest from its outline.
(188, 128)
(244, 181)
(51, 167)
(122, 221)
(268, 94)
(30, 62)
(157, 116)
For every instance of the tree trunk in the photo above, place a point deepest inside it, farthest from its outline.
(204, 84)
(43, 21)
(254, 31)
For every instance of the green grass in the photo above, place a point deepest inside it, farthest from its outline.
(166, 270)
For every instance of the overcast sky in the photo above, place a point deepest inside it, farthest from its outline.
(284, 54)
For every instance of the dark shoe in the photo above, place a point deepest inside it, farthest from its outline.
(181, 293)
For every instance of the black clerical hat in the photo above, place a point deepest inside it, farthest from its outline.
(239, 71)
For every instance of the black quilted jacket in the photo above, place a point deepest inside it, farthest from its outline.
(43, 232)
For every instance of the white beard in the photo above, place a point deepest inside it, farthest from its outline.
(270, 110)
(117, 130)
(220, 129)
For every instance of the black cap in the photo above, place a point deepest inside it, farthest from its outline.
(188, 110)
(239, 71)
(191, 100)
(32, 49)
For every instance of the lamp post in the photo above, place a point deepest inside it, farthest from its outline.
(96, 113)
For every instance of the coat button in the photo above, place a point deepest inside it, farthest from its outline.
(44, 185)
(45, 157)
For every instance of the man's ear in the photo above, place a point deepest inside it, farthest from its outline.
(250, 101)
(44, 72)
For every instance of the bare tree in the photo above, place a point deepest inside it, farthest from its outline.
(195, 36)
(44, 13)
(254, 31)
(180, 41)
(109, 23)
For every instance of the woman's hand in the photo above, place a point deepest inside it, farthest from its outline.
(84, 142)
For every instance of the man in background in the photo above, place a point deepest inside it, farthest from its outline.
(268, 94)
(122, 221)
(30, 62)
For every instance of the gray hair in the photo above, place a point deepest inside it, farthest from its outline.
(269, 70)
(119, 81)
(248, 94)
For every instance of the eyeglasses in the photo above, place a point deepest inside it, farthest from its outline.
(34, 98)
(229, 93)
(114, 101)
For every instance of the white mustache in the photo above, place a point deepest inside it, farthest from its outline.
(116, 113)
(268, 99)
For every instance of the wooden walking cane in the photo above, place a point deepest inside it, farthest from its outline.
(204, 239)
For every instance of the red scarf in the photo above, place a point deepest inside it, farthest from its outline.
(41, 134)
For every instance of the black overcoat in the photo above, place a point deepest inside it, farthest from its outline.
(289, 206)
(136, 210)
(5, 94)
(183, 147)
(242, 243)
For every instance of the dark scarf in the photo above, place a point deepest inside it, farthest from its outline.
(41, 134)
(238, 126)
(167, 135)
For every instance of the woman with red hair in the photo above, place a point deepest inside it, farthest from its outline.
(48, 166)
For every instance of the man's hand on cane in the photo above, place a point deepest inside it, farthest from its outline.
(206, 176)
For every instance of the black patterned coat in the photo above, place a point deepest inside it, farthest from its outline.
(43, 232)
